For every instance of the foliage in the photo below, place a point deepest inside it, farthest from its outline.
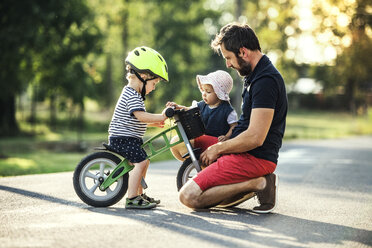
(348, 25)
(57, 152)
(44, 43)
(66, 53)
(179, 35)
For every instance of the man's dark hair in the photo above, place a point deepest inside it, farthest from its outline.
(235, 36)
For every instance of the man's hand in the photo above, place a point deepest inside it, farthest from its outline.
(210, 155)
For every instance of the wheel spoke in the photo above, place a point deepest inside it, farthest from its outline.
(91, 175)
(101, 169)
(93, 189)
(108, 191)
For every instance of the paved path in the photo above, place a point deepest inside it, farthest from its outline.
(325, 200)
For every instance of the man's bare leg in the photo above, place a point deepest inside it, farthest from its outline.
(193, 197)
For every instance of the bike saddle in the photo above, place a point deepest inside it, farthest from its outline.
(196, 152)
(106, 147)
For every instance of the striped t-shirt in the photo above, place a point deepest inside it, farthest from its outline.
(123, 122)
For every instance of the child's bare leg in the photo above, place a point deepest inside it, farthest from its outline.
(135, 176)
(179, 150)
(140, 189)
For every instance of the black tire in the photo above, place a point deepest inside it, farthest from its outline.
(185, 173)
(188, 171)
(86, 183)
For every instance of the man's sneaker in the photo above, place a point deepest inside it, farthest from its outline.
(236, 200)
(138, 203)
(268, 196)
(150, 199)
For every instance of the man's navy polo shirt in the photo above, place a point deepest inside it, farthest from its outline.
(265, 88)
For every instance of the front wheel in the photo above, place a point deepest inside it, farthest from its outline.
(90, 173)
(185, 173)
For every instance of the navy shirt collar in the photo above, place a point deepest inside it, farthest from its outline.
(259, 67)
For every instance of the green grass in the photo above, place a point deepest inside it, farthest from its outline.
(321, 125)
(57, 151)
(38, 162)
(51, 152)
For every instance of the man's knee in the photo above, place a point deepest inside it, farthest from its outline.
(189, 194)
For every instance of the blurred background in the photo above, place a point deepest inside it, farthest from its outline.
(62, 67)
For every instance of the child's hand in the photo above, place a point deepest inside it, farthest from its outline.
(175, 105)
(157, 124)
(171, 105)
(222, 138)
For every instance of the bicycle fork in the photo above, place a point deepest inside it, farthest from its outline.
(124, 166)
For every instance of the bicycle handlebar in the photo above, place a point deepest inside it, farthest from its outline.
(170, 112)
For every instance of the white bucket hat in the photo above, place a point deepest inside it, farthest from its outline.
(221, 82)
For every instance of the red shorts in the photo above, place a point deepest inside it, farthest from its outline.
(232, 168)
(204, 142)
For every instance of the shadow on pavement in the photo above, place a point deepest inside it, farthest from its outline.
(212, 225)
(245, 225)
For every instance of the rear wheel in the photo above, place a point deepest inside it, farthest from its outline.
(90, 173)
(185, 173)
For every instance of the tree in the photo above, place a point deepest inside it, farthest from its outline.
(347, 27)
(273, 22)
(39, 38)
(179, 35)
(18, 19)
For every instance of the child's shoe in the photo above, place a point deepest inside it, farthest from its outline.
(150, 199)
(138, 203)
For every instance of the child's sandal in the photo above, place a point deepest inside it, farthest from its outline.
(138, 203)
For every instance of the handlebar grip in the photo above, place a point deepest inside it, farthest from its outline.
(170, 112)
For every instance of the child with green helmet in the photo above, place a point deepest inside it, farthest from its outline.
(145, 69)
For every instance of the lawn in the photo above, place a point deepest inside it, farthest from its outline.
(50, 152)
(321, 125)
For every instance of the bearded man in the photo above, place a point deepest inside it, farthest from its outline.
(244, 165)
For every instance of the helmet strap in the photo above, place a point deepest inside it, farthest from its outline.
(143, 92)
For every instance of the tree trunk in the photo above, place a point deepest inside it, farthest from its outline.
(350, 94)
(125, 17)
(236, 99)
(80, 128)
(32, 119)
(8, 123)
(53, 111)
(108, 81)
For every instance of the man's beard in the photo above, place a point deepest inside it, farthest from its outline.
(244, 67)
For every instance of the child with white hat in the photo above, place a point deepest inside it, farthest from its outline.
(218, 116)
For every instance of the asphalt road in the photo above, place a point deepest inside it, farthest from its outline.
(325, 200)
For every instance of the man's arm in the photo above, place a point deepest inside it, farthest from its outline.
(253, 137)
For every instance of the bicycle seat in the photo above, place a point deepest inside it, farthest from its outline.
(196, 152)
(106, 147)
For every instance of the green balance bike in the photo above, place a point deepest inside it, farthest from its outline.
(101, 178)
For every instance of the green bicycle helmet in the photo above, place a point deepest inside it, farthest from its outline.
(145, 59)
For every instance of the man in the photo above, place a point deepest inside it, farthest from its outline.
(245, 163)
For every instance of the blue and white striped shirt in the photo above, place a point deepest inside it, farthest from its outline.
(123, 122)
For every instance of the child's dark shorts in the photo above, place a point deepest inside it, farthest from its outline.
(129, 148)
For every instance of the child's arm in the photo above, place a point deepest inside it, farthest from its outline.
(232, 119)
(146, 117)
(176, 106)
(228, 134)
